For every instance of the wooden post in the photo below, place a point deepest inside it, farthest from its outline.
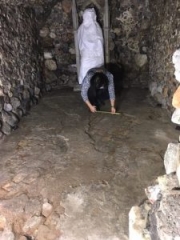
(106, 30)
(75, 28)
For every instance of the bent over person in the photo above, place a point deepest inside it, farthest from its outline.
(98, 86)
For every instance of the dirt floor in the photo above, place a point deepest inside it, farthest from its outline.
(69, 174)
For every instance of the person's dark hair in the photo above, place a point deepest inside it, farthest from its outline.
(98, 80)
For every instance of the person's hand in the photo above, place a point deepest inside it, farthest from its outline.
(92, 109)
(113, 110)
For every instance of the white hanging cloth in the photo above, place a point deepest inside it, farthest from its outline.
(91, 43)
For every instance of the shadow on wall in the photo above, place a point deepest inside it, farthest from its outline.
(118, 72)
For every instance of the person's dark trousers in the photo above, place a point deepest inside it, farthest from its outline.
(97, 97)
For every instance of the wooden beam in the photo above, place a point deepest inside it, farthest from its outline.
(91, 1)
(106, 31)
(75, 29)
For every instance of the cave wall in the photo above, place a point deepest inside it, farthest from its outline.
(163, 41)
(128, 35)
(143, 37)
(20, 71)
(162, 207)
(130, 21)
(57, 40)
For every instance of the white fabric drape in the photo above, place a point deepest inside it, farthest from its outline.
(91, 43)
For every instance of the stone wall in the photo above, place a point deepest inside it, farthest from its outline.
(129, 25)
(164, 40)
(20, 77)
(57, 40)
(158, 217)
(130, 20)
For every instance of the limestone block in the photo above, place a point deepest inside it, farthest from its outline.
(167, 182)
(26, 94)
(165, 92)
(167, 216)
(153, 88)
(50, 76)
(7, 87)
(1, 103)
(46, 209)
(52, 35)
(137, 224)
(140, 60)
(72, 51)
(145, 25)
(1, 92)
(15, 102)
(19, 177)
(67, 5)
(6, 129)
(44, 233)
(171, 157)
(32, 224)
(44, 32)
(31, 177)
(117, 31)
(18, 112)
(13, 189)
(126, 17)
(165, 236)
(48, 55)
(14, 207)
(10, 94)
(9, 118)
(176, 98)
(36, 91)
(50, 64)
(144, 49)
(153, 193)
(7, 107)
(7, 235)
(132, 45)
(72, 68)
(33, 207)
(176, 116)
(22, 238)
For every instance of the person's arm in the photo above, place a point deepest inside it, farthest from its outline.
(111, 92)
(90, 106)
(84, 91)
(113, 109)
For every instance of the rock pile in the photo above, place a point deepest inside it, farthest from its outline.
(20, 71)
(39, 223)
(160, 220)
(57, 40)
(158, 217)
(164, 38)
